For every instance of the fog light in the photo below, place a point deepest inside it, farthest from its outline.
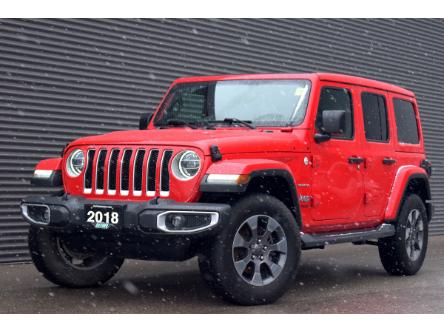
(183, 221)
(177, 221)
(36, 213)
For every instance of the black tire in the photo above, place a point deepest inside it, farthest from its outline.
(396, 258)
(217, 264)
(52, 258)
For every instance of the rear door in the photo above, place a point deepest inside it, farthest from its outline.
(378, 151)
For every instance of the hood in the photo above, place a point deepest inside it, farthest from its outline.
(229, 141)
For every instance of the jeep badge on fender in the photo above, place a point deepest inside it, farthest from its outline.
(244, 172)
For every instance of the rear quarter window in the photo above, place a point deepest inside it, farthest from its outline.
(406, 124)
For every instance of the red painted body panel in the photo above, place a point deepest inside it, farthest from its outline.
(50, 164)
(343, 196)
(246, 166)
(232, 140)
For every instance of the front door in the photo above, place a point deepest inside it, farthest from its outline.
(337, 163)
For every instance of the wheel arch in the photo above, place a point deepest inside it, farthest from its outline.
(409, 180)
(278, 182)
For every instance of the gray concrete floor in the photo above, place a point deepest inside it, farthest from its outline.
(340, 279)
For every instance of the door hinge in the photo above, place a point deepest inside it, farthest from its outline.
(315, 161)
(366, 198)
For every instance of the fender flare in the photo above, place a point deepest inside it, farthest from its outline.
(246, 167)
(289, 179)
(400, 187)
(254, 168)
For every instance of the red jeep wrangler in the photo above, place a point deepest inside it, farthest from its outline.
(243, 171)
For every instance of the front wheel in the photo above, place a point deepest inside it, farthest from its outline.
(255, 258)
(59, 263)
(404, 253)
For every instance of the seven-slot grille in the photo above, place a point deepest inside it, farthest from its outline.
(127, 171)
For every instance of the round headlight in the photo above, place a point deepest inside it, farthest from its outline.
(186, 165)
(75, 163)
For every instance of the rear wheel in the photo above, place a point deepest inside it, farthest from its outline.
(404, 253)
(55, 258)
(255, 258)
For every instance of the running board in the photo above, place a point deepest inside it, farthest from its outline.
(320, 240)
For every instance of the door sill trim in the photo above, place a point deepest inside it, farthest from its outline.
(322, 239)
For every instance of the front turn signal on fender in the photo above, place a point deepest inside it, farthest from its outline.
(227, 179)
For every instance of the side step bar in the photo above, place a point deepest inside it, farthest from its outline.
(320, 240)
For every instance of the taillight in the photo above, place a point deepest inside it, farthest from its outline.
(427, 166)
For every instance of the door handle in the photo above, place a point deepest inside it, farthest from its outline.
(388, 161)
(356, 160)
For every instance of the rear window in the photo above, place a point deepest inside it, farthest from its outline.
(406, 124)
(375, 117)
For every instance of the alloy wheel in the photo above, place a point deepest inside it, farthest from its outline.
(259, 250)
(414, 234)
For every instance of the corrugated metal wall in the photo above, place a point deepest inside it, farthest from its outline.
(61, 79)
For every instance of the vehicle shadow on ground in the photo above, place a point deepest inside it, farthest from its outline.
(139, 291)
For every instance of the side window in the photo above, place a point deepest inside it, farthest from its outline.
(406, 124)
(191, 104)
(336, 99)
(375, 117)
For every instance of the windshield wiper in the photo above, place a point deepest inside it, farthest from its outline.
(191, 124)
(180, 122)
(205, 123)
(246, 123)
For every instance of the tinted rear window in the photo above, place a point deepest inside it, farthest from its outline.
(375, 117)
(406, 124)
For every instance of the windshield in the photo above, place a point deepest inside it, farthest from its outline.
(261, 102)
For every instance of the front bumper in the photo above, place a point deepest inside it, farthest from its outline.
(68, 213)
(142, 233)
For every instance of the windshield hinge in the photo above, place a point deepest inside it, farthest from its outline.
(215, 153)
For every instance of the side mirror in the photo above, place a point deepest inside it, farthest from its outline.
(145, 120)
(333, 121)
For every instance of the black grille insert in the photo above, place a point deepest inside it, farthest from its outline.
(112, 169)
(124, 172)
(100, 169)
(151, 171)
(165, 175)
(89, 168)
(138, 165)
